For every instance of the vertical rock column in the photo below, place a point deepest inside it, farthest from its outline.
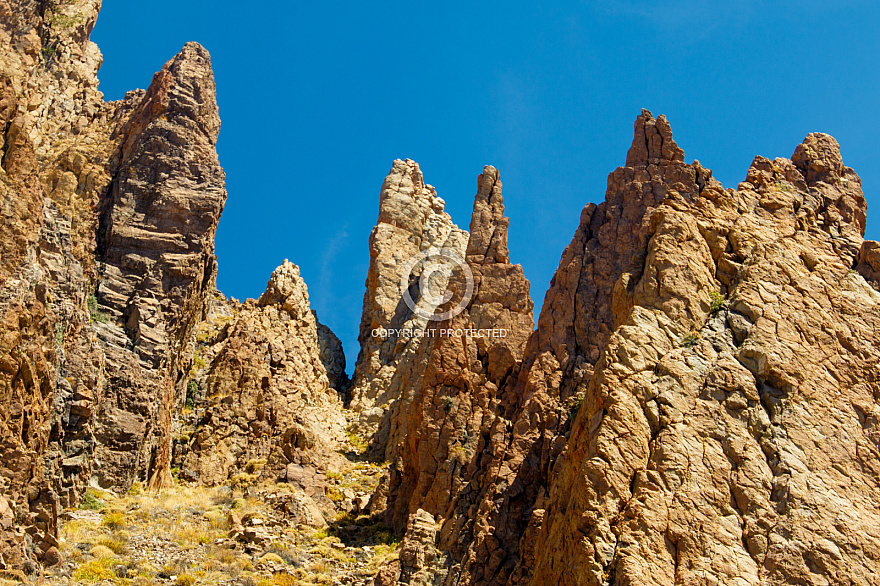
(156, 247)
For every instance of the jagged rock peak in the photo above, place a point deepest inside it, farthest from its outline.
(286, 287)
(488, 240)
(406, 200)
(411, 222)
(652, 143)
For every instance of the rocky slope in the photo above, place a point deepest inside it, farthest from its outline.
(698, 403)
(267, 407)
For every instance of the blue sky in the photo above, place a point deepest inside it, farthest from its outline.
(318, 98)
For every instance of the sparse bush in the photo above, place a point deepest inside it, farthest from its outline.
(101, 552)
(114, 544)
(283, 579)
(459, 454)
(717, 301)
(90, 502)
(691, 340)
(573, 411)
(254, 466)
(94, 314)
(136, 488)
(192, 389)
(448, 402)
(273, 558)
(114, 521)
(186, 580)
(358, 443)
(217, 520)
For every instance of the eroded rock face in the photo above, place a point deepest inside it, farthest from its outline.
(445, 438)
(156, 247)
(263, 403)
(411, 221)
(88, 384)
(732, 441)
(699, 400)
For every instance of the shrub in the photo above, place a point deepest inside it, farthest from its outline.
(94, 314)
(274, 558)
(192, 389)
(691, 340)
(282, 579)
(90, 502)
(114, 521)
(113, 544)
(717, 301)
(185, 580)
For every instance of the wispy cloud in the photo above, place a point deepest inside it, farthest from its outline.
(324, 301)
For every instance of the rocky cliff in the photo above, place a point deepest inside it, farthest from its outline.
(412, 226)
(698, 403)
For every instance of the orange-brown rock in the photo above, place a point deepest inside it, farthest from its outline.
(411, 222)
(730, 442)
(444, 438)
(262, 401)
(87, 384)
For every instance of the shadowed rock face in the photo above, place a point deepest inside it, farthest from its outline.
(109, 213)
(156, 247)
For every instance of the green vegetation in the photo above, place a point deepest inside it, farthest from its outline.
(780, 186)
(192, 389)
(358, 443)
(90, 502)
(691, 340)
(573, 411)
(717, 301)
(94, 313)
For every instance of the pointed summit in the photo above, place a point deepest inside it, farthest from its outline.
(652, 143)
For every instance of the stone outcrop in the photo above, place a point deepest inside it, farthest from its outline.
(697, 404)
(446, 435)
(262, 401)
(108, 217)
(411, 221)
(728, 441)
(156, 248)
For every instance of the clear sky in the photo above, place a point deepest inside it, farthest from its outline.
(318, 98)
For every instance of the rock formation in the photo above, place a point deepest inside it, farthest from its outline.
(411, 221)
(267, 407)
(698, 404)
(107, 260)
(727, 441)
(156, 249)
(457, 405)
